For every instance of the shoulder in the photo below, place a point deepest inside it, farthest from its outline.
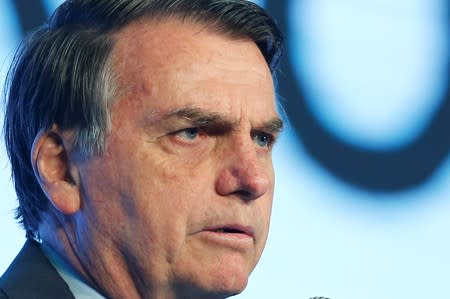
(31, 275)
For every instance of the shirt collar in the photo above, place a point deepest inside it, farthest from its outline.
(79, 288)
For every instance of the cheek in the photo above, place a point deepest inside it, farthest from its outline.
(265, 210)
(167, 187)
(187, 157)
(173, 168)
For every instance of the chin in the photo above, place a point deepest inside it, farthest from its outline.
(217, 281)
(229, 278)
(231, 284)
(219, 289)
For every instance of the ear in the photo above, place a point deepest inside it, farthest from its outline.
(53, 170)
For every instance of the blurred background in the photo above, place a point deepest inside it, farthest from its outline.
(362, 203)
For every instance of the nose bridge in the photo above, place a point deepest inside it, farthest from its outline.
(245, 173)
(245, 158)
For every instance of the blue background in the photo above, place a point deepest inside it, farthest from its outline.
(373, 74)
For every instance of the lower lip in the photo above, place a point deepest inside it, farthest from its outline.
(233, 240)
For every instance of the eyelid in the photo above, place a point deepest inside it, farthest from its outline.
(182, 136)
(272, 137)
(176, 132)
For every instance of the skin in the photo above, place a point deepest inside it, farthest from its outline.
(179, 205)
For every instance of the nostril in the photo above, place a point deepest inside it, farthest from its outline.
(246, 179)
(244, 194)
(256, 185)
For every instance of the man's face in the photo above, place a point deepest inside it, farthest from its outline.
(182, 197)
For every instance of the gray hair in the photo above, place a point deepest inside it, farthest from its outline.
(62, 75)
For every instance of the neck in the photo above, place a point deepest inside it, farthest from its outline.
(102, 267)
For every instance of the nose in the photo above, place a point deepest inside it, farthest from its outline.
(245, 173)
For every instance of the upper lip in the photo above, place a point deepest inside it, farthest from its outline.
(237, 228)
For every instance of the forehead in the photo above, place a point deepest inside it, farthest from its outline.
(169, 60)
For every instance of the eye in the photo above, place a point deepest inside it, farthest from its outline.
(263, 139)
(188, 133)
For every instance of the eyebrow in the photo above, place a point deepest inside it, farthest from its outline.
(274, 125)
(202, 118)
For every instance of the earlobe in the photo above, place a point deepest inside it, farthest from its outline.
(52, 168)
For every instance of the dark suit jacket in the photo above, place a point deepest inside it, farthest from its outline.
(31, 275)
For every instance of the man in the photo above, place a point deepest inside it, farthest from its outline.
(140, 136)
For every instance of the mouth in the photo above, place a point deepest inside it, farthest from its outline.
(233, 236)
(233, 230)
